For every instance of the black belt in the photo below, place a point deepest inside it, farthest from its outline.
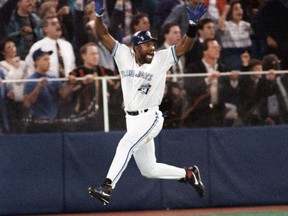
(135, 113)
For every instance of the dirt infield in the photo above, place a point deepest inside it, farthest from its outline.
(281, 210)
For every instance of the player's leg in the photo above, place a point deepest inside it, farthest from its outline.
(140, 129)
(146, 161)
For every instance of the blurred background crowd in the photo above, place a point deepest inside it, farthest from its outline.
(46, 39)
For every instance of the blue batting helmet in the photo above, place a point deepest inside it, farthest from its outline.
(142, 37)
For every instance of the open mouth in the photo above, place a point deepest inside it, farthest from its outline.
(150, 56)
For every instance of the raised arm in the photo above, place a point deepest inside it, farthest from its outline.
(223, 17)
(187, 41)
(101, 30)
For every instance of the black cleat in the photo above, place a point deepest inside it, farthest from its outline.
(103, 192)
(193, 178)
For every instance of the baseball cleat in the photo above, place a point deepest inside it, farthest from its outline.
(193, 178)
(101, 193)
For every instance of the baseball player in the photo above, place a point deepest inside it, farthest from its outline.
(143, 75)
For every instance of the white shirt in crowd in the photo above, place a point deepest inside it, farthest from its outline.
(13, 73)
(236, 35)
(47, 44)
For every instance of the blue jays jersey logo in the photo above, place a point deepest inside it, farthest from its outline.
(144, 88)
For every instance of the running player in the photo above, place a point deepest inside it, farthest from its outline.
(143, 75)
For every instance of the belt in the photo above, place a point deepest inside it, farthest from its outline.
(135, 113)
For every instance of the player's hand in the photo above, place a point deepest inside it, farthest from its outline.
(99, 9)
(195, 15)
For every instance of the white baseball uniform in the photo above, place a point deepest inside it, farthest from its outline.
(143, 89)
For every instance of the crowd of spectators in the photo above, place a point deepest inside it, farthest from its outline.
(44, 39)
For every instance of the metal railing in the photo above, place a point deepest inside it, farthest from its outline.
(105, 89)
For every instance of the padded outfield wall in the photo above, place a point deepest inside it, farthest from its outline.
(50, 173)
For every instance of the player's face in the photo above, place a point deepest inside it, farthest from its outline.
(145, 52)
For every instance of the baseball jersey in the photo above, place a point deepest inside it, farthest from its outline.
(143, 86)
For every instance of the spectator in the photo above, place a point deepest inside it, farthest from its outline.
(205, 30)
(106, 60)
(172, 36)
(174, 99)
(178, 15)
(131, 6)
(87, 98)
(48, 9)
(14, 68)
(42, 98)
(234, 35)
(173, 105)
(24, 27)
(161, 12)
(215, 9)
(121, 18)
(273, 29)
(80, 14)
(258, 44)
(250, 8)
(206, 104)
(62, 59)
(66, 18)
(254, 90)
(139, 22)
(6, 10)
(276, 109)
(4, 123)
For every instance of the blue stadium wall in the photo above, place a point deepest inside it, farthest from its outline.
(50, 173)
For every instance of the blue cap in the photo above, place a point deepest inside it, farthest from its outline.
(39, 53)
(142, 37)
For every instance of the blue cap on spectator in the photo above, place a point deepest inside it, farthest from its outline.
(39, 53)
(142, 37)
